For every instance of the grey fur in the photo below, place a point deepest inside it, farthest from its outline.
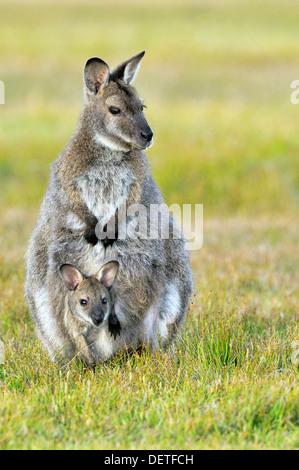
(104, 162)
(88, 305)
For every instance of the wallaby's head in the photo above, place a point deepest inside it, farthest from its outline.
(89, 298)
(113, 107)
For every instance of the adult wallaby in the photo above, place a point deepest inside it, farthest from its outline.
(89, 310)
(102, 166)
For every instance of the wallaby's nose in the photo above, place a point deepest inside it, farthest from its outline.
(147, 135)
(98, 318)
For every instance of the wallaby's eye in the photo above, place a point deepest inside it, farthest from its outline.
(114, 110)
(83, 302)
(104, 300)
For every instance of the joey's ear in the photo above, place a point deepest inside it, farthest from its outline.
(71, 276)
(107, 273)
(96, 75)
(127, 71)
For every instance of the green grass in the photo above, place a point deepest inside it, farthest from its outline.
(216, 80)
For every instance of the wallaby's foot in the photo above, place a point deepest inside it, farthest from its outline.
(114, 326)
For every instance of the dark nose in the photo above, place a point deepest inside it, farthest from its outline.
(97, 318)
(148, 135)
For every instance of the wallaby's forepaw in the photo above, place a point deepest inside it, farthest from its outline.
(114, 326)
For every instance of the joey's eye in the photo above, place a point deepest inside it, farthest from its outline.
(114, 110)
(104, 300)
(83, 302)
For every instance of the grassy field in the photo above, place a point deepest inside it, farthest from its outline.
(216, 79)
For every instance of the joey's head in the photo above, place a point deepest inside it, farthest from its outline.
(89, 298)
(113, 107)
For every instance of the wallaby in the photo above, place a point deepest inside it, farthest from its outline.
(103, 165)
(89, 307)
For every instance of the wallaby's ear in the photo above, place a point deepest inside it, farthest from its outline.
(127, 71)
(71, 276)
(107, 273)
(96, 75)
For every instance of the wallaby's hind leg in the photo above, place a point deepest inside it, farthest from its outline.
(163, 319)
(170, 312)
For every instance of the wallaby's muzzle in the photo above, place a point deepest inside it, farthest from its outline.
(97, 317)
(147, 135)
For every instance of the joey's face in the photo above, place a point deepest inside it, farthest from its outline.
(88, 297)
(113, 106)
(91, 303)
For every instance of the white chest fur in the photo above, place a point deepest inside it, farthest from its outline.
(104, 187)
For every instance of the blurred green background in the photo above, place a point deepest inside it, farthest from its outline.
(216, 79)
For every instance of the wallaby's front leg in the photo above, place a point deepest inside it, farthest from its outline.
(83, 350)
(75, 331)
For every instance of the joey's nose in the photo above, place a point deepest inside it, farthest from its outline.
(98, 318)
(148, 135)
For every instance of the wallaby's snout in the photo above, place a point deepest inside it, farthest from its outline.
(147, 135)
(98, 315)
(144, 135)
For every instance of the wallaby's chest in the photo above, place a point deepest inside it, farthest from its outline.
(104, 188)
